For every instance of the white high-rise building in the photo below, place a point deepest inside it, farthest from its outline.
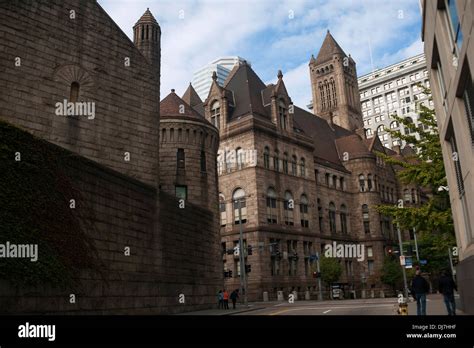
(393, 90)
(202, 78)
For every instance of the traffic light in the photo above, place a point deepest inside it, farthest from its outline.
(230, 251)
(316, 274)
(248, 268)
(230, 274)
(226, 274)
(249, 250)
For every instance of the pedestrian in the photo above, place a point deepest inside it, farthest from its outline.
(234, 296)
(220, 300)
(419, 289)
(226, 299)
(447, 287)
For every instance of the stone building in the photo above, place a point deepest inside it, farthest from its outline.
(302, 180)
(446, 32)
(156, 255)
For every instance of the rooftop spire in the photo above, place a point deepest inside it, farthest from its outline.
(328, 49)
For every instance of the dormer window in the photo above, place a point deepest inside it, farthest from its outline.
(282, 114)
(215, 114)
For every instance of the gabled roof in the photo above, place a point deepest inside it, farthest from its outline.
(246, 87)
(328, 49)
(174, 107)
(191, 97)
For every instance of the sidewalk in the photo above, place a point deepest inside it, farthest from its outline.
(240, 309)
(434, 306)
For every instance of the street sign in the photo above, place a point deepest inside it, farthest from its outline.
(408, 262)
(423, 262)
(402, 260)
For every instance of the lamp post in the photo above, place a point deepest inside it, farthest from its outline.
(403, 267)
(243, 278)
(416, 244)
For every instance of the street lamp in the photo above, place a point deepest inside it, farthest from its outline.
(443, 188)
(243, 278)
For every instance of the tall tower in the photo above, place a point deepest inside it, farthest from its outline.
(334, 86)
(147, 38)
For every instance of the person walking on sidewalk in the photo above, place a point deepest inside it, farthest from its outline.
(419, 289)
(447, 287)
(234, 296)
(226, 299)
(220, 300)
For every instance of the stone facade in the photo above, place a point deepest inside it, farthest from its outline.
(73, 51)
(450, 59)
(302, 180)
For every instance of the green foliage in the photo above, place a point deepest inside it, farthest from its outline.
(331, 270)
(35, 195)
(392, 273)
(425, 169)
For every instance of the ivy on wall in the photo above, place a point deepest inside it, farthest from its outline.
(35, 208)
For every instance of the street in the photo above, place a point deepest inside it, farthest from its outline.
(372, 306)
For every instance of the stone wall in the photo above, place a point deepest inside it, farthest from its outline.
(172, 252)
(45, 50)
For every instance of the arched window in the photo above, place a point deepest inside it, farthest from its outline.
(342, 184)
(365, 218)
(323, 97)
(282, 114)
(276, 161)
(333, 92)
(406, 194)
(266, 157)
(320, 215)
(361, 183)
(304, 211)
(293, 165)
(302, 167)
(240, 157)
(332, 217)
(369, 133)
(411, 127)
(271, 206)
(222, 209)
(327, 92)
(216, 114)
(285, 163)
(380, 129)
(239, 201)
(394, 125)
(334, 181)
(288, 209)
(343, 217)
(74, 93)
(369, 182)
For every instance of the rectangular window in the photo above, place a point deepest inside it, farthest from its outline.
(370, 267)
(468, 98)
(370, 252)
(455, 24)
(180, 159)
(181, 192)
(457, 166)
(203, 162)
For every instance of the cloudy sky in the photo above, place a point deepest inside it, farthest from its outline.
(274, 35)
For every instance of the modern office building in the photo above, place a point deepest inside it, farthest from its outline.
(202, 78)
(394, 89)
(446, 32)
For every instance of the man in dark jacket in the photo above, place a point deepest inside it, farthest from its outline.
(234, 296)
(447, 287)
(419, 289)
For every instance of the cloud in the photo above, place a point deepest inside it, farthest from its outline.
(273, 36)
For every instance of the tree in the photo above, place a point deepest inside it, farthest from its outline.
(331, 270)
(392, 273)
(424, 168)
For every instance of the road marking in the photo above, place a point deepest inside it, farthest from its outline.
(319, 308)
(327, 311)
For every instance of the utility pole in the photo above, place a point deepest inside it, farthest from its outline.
(319, 278)
(416, 245)
(403, 267)
(243, 277)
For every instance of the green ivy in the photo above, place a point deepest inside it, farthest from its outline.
(35, 195)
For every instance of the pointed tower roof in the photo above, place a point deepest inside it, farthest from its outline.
(147, 18)
(173, 106)
(328, 49)
(246, 87)
(191, 97)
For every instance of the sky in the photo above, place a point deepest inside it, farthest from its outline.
(273, 35)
